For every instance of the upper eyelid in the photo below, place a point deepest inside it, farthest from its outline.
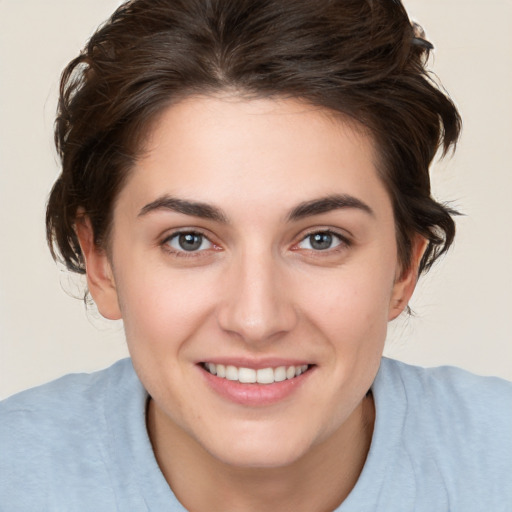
(341, 234)
(167, 235)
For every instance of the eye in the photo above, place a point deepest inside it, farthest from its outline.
(321, 241)
(188, 242)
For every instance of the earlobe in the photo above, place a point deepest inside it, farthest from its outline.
(405, 284)
(100, 278)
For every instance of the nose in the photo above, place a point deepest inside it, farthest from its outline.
(256, 303)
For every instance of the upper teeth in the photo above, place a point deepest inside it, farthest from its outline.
(250, 375)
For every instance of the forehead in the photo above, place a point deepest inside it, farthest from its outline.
(257, 153)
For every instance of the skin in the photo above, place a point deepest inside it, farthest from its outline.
(256, 288)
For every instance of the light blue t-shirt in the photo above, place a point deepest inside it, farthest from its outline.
(442, 443)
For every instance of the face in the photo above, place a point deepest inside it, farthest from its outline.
(253, 240)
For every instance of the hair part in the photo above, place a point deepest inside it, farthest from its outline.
(361, 58)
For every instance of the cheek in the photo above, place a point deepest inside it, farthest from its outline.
(162, 309)
(162, 314)
(349, 303)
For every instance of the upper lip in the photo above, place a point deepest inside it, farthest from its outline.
(256, 364)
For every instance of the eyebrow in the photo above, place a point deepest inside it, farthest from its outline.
(327, 204)
(302, 210)
(195, 208)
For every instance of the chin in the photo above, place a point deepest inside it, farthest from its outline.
(258, 459)
(260, 449)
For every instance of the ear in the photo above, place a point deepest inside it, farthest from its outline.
(100, 278)
(406, 282)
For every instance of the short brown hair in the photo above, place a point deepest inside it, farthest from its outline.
(361, 58)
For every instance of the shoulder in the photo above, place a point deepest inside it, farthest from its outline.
(455, 403)
(456, 430)
(65, 401)
(446, 379)
(55, 434)
(456, 392)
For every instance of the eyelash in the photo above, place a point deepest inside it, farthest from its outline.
(344, 243)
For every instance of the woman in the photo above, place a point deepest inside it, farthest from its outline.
(245, 184)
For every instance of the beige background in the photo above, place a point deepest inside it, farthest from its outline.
(463, 308)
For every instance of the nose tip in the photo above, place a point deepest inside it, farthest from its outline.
(256, 304)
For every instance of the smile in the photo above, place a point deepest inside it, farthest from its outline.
(251, 376)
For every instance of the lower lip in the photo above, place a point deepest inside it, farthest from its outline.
(255, 394)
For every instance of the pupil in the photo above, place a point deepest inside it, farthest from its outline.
(321, 241)
(190, 241)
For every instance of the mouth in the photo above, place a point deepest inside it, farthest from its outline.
(243, 375)
(256, 384)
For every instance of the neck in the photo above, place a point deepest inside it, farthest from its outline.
(318, 481)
